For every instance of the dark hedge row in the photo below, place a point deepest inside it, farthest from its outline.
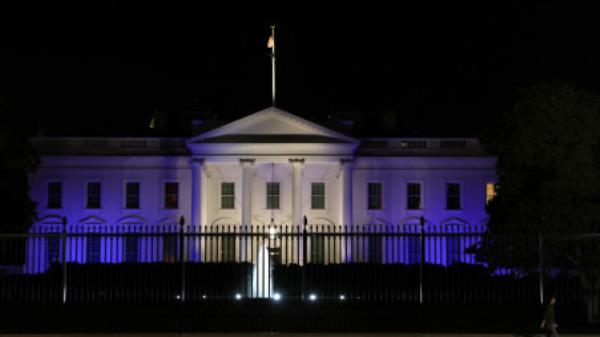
(163, 283)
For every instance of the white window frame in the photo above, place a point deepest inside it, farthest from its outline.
(324, 195)
(267, 195)
(62, 193)
(163, 188)
(221, 194)
(85, 199)
(421, 195)
(381, 196)
(460, 197)
(124, 194)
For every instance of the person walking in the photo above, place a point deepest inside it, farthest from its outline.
(549, 323)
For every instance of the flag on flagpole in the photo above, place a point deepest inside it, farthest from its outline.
(271, 42)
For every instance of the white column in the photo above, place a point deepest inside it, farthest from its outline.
(346, 192)
(246, 191)
(297, 216)
(196, 192)
(191, 242)
(345, 184)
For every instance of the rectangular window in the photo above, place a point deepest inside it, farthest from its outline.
(317, 249)
(172, 195)
(375, 249)
(317, 196)
(374, 196)
(227, 195)
(132, 195)
(453, 196)
(131, 249)
(413, 196)
(453, 249)
(169, 248)
(272, 195)
(94, 194)
(491, 189)
(55, 194)
(53, 250)
(227, 249)
(414, 249)
(93, 248)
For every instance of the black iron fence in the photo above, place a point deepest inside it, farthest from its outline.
(378, 263)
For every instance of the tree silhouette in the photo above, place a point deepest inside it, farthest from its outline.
(17, 160)
(548, 150)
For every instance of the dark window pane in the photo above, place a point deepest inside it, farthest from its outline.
(317, 249)
(375, 248)
(413, 191)
(171, 195)
(227, 195)
(93, 249)
(169, 248)
(55, 195)
(131, 249)
(132, 195)
(53, 250)
(272, 195)
(374, 196)
(227, 249)
(93, 195)
(414, 249)
(317, 199)
(453, 250)
(453, 196)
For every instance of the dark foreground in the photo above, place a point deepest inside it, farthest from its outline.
(259, 316)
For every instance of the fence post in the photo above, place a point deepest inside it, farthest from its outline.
(304, 247)
(422, 259)
(181, 257)
(64, 260)
(541, 266)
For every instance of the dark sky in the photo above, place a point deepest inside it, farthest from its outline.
(416, 68)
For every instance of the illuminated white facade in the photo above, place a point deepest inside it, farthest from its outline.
(319, 173)
(269, 168)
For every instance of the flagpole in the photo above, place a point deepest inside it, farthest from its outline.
(273, 66)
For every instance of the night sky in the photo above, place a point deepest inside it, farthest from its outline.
(414, 69)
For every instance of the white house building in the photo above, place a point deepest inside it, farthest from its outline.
(270, 167)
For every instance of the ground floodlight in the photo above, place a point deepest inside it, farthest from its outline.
(238, 296)
(312, 297)
(276, 296)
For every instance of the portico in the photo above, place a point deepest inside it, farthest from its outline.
(271, 146)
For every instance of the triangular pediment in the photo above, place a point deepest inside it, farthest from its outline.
(271, 125)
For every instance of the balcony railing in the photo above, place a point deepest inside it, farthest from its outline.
(431, 146)
(108, 145)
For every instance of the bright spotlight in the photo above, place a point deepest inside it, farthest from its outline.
(238, 296)
(312, 297)
(204, 296)
(342, 297)
(277, 297)
(178, 296)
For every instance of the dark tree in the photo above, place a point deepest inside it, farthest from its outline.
(548, 163)
(17, 160)
(549, 185)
